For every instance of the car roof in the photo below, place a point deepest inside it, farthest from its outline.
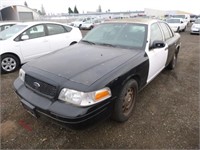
(146, 21)
(38, 22)
(176, 18)
(7, 22)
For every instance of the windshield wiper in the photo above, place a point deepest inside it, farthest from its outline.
(106, 44)
(1, 39)
(89, 42)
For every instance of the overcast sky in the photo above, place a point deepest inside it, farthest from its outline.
(61, 6)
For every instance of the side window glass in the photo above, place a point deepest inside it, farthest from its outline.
(55, 29)
(68, 29)
(35, 32)
(166, 31)
(156, 33)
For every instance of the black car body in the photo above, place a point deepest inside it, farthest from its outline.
(93, 80)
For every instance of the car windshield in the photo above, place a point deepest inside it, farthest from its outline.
(179, 16)
(6, 34)
(197, 21)
(118, 35)
(173, 20)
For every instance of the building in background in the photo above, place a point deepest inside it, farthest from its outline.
(18, 13)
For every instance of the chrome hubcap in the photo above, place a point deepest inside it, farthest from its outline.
(128, 101)
(8, 64)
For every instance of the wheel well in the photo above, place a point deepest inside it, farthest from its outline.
(177, 50)
(13, 55)
(74, 42)
(135, 77)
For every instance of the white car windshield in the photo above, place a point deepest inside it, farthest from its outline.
(6, 34)
(118, 35)
(197, 21)
(179, 16)
(173, 20)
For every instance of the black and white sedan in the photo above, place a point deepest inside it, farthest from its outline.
(101, 75)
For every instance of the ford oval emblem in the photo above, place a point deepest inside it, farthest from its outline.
(36, 85)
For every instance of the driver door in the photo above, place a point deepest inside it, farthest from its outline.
(157, 56)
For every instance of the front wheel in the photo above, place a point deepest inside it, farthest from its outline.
(126, 101)
(9, 63)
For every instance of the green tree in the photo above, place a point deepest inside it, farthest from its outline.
(75, 10)
(99, 9)
(43, 10)
(25, 4)
(70, 10)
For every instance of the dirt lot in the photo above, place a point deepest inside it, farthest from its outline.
(166, 115)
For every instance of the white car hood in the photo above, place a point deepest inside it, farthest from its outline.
(196, 26)
(174, 24)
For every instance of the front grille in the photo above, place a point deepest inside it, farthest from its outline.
(40, 87)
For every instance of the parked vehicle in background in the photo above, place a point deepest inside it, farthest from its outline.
(176, 24)
(26, 41)
(195, 28)
(77, 23)
(6, 25)
(89, 24)
(100, 76)
(185, 17)
(193, 18)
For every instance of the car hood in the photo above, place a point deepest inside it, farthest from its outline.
(196, 26)
(174, 24)
(84, 63)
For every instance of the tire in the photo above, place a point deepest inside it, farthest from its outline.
(125, 103)
(178, 30)
(9, 63)
(173, 62)
(91, 28)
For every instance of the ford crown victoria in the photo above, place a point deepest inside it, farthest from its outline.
(101, 75)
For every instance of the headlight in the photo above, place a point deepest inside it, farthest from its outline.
(84, 99)
(22, 74)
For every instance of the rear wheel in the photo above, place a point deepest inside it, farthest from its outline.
(178, 30)
(9, 63)
(125, 103)
(173, 62)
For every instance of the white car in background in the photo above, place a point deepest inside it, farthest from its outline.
(185, 17)
(6, 25)
(26, 41)
(195, 29)
(77, 23)
(89, 24)
(177, 24)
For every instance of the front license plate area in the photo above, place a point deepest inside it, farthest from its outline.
(29, 108)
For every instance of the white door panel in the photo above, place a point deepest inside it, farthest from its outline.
(34, 48)
(59, 41)
(157, 60)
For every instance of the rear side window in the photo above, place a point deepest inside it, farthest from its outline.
(156, 33)
(68, 29)
(55, 29)
(166, 30)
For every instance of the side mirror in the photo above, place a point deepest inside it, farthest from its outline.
(181, 21)
(157, 44)
(24, 37)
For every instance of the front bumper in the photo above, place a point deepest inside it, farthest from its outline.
(68, 114)
(195, 31)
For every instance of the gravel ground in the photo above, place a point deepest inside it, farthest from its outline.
(166, 115)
